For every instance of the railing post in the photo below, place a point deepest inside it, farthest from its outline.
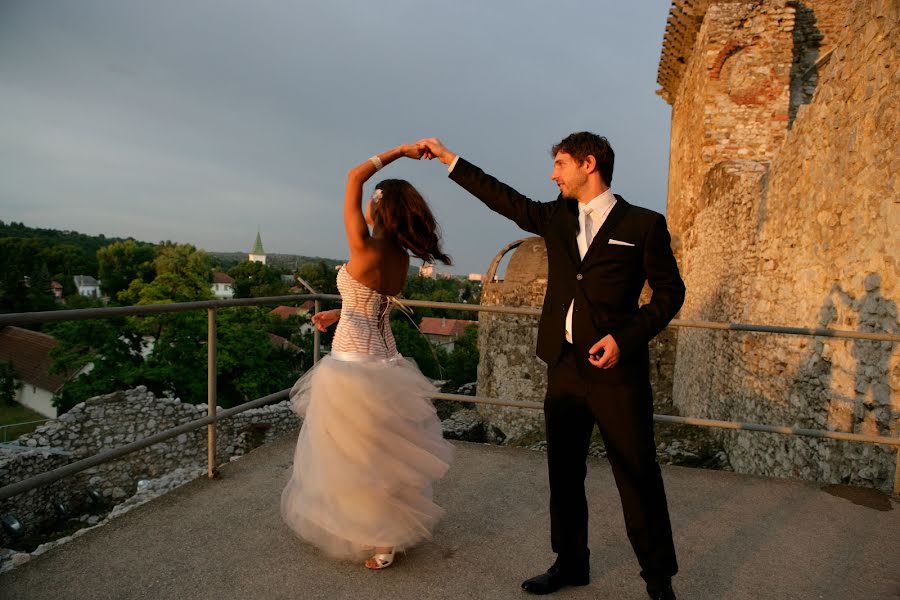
(316, 334)
(897, 474)
(211, 352)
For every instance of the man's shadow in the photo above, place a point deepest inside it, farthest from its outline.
(871, 392)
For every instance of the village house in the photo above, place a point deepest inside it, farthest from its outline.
(443, 331)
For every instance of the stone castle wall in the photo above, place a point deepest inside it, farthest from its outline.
(751, 66)
(111, 421)
(804, 233)
(507, 366)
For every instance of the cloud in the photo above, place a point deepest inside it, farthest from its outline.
(199, 121)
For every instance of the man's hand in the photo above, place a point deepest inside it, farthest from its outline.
(433, 148)
(605, 353)
(325, 319)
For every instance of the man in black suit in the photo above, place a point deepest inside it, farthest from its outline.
(593, 337)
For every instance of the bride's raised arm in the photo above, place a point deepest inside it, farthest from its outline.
(354, 220)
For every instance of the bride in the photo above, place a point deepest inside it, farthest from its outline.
(371, 445)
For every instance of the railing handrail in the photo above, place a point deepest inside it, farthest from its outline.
(7, 425)
(214, 415)
(144, 309)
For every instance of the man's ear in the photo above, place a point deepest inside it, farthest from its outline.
(590, 161)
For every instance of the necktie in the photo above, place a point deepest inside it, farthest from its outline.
(588, 234)
(584, 242)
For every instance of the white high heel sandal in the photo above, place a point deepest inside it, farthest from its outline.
(380, 560)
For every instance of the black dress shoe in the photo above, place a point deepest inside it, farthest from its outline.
(554, 579)
(662, 591)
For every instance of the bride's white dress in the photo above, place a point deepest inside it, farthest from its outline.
(371, 444)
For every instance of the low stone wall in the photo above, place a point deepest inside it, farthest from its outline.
(111, 421)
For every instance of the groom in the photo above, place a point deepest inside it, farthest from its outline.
(593, 337)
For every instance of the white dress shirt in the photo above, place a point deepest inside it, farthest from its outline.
(599, 209)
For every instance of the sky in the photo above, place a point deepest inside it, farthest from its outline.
(201, 121)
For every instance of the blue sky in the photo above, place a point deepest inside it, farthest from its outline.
(199, 120)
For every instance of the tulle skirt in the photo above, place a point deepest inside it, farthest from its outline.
(369, 449)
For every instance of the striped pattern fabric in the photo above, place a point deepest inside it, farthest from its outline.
(364, 326)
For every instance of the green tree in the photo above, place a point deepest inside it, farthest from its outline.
(120, 263)
(320, 276)
(9, 383)
(24, 276)
(250, 365)
(462, 364)
(182, 275)
(111, 346)
(412, 344)
(178, 362)
(255, 280)
(66, 261)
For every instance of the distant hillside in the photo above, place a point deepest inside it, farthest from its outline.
(28, 250)
(89, 244)
(280, 262)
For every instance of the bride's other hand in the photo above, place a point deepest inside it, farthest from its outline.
(325, 319)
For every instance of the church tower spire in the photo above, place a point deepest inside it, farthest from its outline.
(257, 254)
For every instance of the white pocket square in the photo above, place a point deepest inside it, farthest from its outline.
(619, 243)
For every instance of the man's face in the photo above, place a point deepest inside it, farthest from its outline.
(569, 175)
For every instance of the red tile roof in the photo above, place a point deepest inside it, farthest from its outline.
(442, 326)
(29, 352)
(283, 343)
(220, 277)
(286, 312)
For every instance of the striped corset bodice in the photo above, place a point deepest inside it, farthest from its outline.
(364, 326)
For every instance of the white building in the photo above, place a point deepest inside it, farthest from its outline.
(222, 285)
(29, 353)
(87, 286)
(475, 276)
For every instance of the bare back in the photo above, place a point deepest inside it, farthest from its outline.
(381, 265)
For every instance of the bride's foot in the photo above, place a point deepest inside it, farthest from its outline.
(382, 559)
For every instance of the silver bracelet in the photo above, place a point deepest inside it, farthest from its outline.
(377, 162)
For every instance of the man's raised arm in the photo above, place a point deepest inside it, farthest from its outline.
(526, 213)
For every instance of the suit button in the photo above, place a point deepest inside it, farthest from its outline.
(579, 277)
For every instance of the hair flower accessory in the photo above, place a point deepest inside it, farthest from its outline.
(376, 195)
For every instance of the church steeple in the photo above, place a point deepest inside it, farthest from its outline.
(258, 254)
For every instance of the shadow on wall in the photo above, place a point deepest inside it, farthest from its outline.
(866, 408)
(836, 384)
(804, 70)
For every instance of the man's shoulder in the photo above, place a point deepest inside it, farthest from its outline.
(640, 212)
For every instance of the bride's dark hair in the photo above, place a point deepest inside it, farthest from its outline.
(403, 214)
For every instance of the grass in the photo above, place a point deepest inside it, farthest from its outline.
(16, 413)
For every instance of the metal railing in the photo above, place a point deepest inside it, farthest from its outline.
(213, 415)
(5, 428)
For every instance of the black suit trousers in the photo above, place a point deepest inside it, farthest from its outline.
(624, 414)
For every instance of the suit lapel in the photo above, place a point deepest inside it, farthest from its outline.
(602, 237)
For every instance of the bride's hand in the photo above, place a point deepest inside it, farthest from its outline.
(412, 150)
(325, 319)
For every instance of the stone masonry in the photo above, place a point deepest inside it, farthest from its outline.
(111, 421)
(785, 209)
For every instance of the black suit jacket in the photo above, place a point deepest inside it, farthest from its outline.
(605, 285)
